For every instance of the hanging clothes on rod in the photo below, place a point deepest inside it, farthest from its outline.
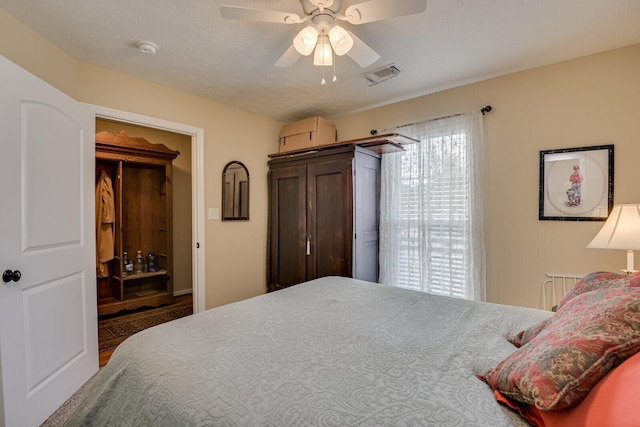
(105, 217)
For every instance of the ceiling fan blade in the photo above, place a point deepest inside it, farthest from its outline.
(377, 10)
(289, 58)
(251, 14)
(362, 53)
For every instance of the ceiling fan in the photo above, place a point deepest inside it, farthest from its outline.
(323, 36)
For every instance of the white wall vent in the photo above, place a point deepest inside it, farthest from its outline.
(382, 74)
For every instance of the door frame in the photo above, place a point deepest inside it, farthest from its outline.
(197, 186)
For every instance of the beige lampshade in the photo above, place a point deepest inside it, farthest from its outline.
(621, 230)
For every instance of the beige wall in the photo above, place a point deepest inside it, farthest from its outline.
(588, 101)
(32, 52)
(235, 250)
(182, 203)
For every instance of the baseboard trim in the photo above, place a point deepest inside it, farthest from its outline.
(182, 292)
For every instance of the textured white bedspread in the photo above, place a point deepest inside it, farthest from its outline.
(330, 352)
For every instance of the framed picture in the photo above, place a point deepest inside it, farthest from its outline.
(576, 184)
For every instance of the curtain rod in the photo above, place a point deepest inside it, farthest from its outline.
(484, 110)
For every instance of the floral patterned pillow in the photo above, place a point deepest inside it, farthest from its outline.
(588, 283)
(597, 280)
(592, 333)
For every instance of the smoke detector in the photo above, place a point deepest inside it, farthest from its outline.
(382, 74)
(147, 47)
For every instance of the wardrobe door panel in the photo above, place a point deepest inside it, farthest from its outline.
(288, 225)
(366, 219)
(329, 207)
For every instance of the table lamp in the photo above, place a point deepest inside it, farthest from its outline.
(620, 231)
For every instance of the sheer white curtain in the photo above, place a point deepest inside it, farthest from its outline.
(431, 214)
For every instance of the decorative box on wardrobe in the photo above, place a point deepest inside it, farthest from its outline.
(323, 215)
(307, 133)
(141, 176)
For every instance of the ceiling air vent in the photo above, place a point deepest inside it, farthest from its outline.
(382, 74)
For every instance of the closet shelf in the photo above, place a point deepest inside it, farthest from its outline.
(138, 276)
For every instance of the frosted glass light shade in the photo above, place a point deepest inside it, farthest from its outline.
(323, 55)
(341, 40)
(306, 40)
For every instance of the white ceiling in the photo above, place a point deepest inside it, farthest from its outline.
(455, 42)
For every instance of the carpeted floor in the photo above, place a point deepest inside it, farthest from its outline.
(58, 418)
(115, 329)
(112, 330)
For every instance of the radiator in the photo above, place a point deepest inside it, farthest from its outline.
(554, 288)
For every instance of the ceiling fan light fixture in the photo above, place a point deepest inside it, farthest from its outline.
(323, 55)
(306, 40)
(340, 40)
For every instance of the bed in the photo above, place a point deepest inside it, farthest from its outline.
(329, 352)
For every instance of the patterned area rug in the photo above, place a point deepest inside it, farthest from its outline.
(114, 330)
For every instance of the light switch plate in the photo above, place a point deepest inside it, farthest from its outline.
(214, 213)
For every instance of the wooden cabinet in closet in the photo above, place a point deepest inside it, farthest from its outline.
(141, 176)
(323, 215)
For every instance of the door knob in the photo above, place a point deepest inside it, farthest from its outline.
(9, 276)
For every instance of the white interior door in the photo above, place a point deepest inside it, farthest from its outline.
(48, 319)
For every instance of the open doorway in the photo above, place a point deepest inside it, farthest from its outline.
(115, 327)
(197, 186)
(114, 120)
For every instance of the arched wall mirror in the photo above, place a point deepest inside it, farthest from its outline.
(235, 192)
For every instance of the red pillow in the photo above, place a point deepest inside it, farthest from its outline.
(613, 402)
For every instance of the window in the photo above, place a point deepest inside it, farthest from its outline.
(431, 210)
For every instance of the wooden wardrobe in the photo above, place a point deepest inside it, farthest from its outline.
(141, 176)
(323, 215)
